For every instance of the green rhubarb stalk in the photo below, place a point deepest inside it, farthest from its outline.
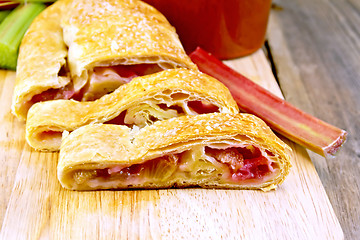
(12, 30)
(280, 115)
(3, 15)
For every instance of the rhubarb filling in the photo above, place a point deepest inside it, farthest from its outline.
(102, 80)
(238, 165)
(144, 114)
(147, 113)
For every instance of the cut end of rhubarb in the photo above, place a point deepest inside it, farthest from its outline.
(281, 116)
(331, 150)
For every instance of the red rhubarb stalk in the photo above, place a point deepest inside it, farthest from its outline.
(6, 5)
(280, 115)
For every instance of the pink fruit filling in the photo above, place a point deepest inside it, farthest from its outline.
(243, 162)
(200, 107)
(158, 168)
(102, 80)
(66, 92)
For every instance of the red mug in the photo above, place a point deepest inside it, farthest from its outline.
(225, 28)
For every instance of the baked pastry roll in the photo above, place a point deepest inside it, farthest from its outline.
(215, 150)
(84, 49)
(41, 62)
(167, 94)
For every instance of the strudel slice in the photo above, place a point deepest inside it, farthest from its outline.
(143, 101)
(215, 150)
(84, 49)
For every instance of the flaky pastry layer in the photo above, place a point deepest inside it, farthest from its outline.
(217, 150)
(70, 39)
(42, 54)
(143, 101)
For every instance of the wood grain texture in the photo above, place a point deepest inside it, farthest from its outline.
(315, 47)
(11, 140)
(38, 208)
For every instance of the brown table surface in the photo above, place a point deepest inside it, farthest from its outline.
(314, 47)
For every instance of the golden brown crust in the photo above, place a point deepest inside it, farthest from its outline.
(170, 87)
(41, 56)
(171, 136)
(137, 33)
(96, 33)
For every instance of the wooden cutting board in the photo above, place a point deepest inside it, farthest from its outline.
(34, 206)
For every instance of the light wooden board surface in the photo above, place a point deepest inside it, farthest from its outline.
(34, 206)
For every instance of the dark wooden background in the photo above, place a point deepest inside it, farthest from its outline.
(314, 46)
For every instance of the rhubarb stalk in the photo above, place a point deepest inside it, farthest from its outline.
(12, 30)
(280, 115)
(3, 14)
(7, 5)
